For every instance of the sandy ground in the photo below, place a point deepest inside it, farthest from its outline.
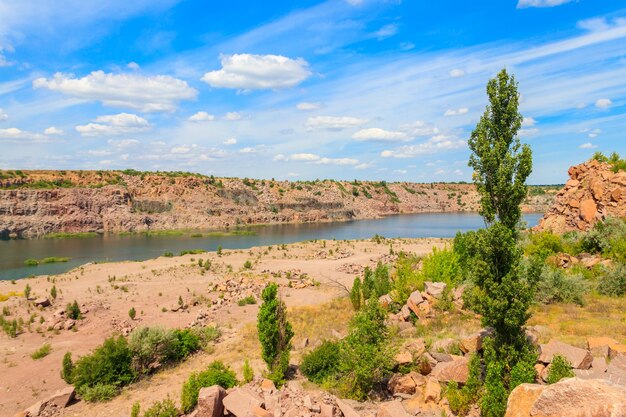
(152, 287)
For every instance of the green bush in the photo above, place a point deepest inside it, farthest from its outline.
(165, 408)
(247, 264)
(108, 365)
(613, 282)
(168, 254)
(216, 374)
(559, 368)
(248, 373)
(98, 392)
(53, 292)
(135, 410)
(442, 265)
(246, 301)
(543, 244)
(73, 311)
(555, 286)
(186, 342)
(407, 278)
(604, 236)
(132, 313)
(322, 362)
(31, 262)
(151, 347)
(67, 367)
(42, 352)
(355, 294)
(461, 399)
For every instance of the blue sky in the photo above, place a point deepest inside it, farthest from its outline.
(345, 89)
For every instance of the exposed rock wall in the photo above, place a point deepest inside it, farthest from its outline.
(126, 203)
(592, 193)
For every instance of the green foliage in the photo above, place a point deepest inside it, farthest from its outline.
(132, 313)
(150, 347)
(461, 399)
(614, 159)
(165, 408)
(216, 374)
(543, 244)
(555, 286)
(53, 292)
(135, 410)
(248, 373)
(219, 250)
(42, 352)
(322, 362)
(368, 284)
(442, 265)
(73, 311)
(604, 236)
(523, 372)
(27, 291)
(613, 282)
(275, 333)
(247, 264)
(67, 368)
(366, 355)
(98, 392)
(168, 254)
(31, 262)
(247, 300)
(407, 278)
(382, 284)
(559, 368)
(186, 342)
(355, 294)
(108, 365)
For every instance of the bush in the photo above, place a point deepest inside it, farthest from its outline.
(165, 408)
(27, 291)
(407, 279)
(555, 286)
(604, 236)
(246, 300)
(322, 362)
(73, 311)
(67, 368)
(216, 374)
(108, 365)
(151, 347)
(42, 352)
(559, 368)
(355, 294)
(613, 282)
(248, 373)
(461, 399)
(135, 410)
(543, 244)
(247, 264)
(53, 292)
(132, 313)
(442, 265)
(168, 254)
(99, 392)
(186, 342)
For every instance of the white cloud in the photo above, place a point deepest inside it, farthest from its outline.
(456, 112)
(53, 131)
(13, 133)
(201, 116)
(528, 132)
(124, 143)
(407, 46)
(337, 161)
(522, 4)
(183, 149)
(255, 72)
(280, 157)
(528, 122)
(333, 122)
(603, 103)
(594, 133)
(419, 128)
(456, 72)
(3, 115)
(400, 171)
(114, 124)
(316, 159)
(304, 157)
(435, 144)
(230, 141)
(364, 165)
(377, 134)
(232, 116)
(152, 93)
(307, 106)
(594, 24)
(587, 145)
(133, 65)
(248, 150)
(386, 31)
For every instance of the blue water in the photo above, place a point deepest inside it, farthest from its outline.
(141, 247)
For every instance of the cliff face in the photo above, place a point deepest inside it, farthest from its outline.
(592, 193)
(121, 202)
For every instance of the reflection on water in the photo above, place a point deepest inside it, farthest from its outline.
(141, 247)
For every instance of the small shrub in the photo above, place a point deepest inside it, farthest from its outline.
(42, 352)
(216, 374)
(322, 362)
(442, 265)
(543, 244)
(53, 292)
(135, 410)
(248, 373)
(560, 368)
(186, 342)
(132, 313)
(247, 300)
(27, 291)
(219, 250)
(165, 408)
(355, 294)
(555, 286)
(98, 392)
(73, 311)
(31, 262)
(613, 282)
(168, 254)
(247, 264)
(151, 347)
(67, 368)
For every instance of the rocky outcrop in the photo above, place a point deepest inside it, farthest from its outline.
(36, 203)
(593, 192)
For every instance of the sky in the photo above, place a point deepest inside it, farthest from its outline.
(344, 89)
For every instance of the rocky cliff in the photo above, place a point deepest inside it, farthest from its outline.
(592, 193)
(35, 203)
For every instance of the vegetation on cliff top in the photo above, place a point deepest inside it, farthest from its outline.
(617, 163)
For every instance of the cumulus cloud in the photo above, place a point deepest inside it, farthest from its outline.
(135, 91)
(522, 4)
(377, 134)
(333, 122)
(124, 143)
(304, 157)
(603, 103)
(15, 134)
(232, 116)
(456, 72)
(337, 161)
(201, 116)
(594, 133)
(3, 116)
(316, 159)
(230, 141)
(456, 112)
(419, 128)
(587, 145)
(528, 122)
(133, 65)
(258, 72)
(183, 149)
(307, 106)
(114, 124)
(435, 144)
(53, 131)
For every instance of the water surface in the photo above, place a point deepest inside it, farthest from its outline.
(140, 247)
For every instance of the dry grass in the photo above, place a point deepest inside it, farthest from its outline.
(600, 316)
(4, 297)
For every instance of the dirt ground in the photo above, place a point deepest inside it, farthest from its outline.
(107, 291)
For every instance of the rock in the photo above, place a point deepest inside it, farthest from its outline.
(457, 370)
(599, 346)
(210, 401)
(346, 409)
(588, 210)
(391, 409)
(35, 409)
(62, 398)
(385, 300)
(444, 345)
(260, 412)
(405, 312)
(441, 357)
(579, 358)
(572, 397)
(327, 410)
(415, 299)
(240, 401)
(401, 384)
(42, 302)
(403, 357)
(474, 343)
(596, 188)
(426, 363)
(616, 350)
(432, 391)
(268, 385)
(435, 289)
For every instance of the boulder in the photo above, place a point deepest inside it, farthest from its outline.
(588, 210)
(456, 370)
(599, 346)
(260, 412)
(474, 342)
(435, 289)
(579, 358)
(346, 409)
(42, 302)
(616, 350)
(432, 391)
(327, 410)
(403, 357)
(426, 363)
(385, 300)
(241, 401)
(268, 385)
(444, 345)
(35, 409)
(392, 409)
(522, 399)
(415, 299)
(210, 401)
(401, 384)
(62, 398)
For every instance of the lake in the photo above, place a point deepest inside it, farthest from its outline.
(113, 247)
